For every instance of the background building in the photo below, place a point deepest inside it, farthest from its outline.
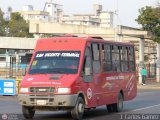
(98, 18)
(81, 19)
(55, 11)
(28, 13)
(51, 12)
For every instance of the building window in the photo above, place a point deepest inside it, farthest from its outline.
(49, 5)
(2, 58)
(2, 51)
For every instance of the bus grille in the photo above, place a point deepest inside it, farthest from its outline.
(42, 89)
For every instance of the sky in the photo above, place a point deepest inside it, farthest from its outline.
(127, 9)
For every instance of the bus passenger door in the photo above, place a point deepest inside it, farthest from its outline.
(97, 78)
(87, 74)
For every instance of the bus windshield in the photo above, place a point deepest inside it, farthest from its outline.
(55, 62)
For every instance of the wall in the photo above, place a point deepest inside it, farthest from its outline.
(17, 43)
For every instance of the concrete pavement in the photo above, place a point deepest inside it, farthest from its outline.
(150, 85)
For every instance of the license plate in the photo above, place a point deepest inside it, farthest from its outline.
(41, 102)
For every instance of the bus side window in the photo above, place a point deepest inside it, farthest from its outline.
(87, 66)
(116, 58)
(107, 60)
(131, 59)
(96, 57)
(124, 59)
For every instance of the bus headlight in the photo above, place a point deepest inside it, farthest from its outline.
(64, 90)
(24, 90)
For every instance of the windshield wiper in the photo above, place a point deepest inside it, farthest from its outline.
(46, 71)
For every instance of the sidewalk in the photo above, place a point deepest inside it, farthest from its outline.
(150, 85)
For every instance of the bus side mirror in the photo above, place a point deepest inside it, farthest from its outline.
(87, 71)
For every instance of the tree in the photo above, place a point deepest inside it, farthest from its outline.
(149, 18)
(18, 27)
(2, 24)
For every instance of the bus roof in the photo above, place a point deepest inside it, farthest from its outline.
(73, 43)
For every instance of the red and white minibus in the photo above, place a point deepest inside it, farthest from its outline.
(78, 73)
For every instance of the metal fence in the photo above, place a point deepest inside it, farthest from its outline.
(12, 70)
(151, 70)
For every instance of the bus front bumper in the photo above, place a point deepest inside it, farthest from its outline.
(48, 100)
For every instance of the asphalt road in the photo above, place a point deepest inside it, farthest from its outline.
(146, 106)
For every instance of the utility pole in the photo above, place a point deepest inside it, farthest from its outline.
(141, 57)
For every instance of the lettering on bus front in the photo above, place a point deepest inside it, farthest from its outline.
(58, 55)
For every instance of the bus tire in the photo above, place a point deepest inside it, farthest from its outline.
(28, 112)
(78, 111)
(118, 107)
(110, 108)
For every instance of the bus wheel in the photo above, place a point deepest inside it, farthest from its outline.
(118, 107)
(28, 112)
(78, 110)
(110, 108)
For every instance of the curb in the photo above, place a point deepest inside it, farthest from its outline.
(148, 87)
